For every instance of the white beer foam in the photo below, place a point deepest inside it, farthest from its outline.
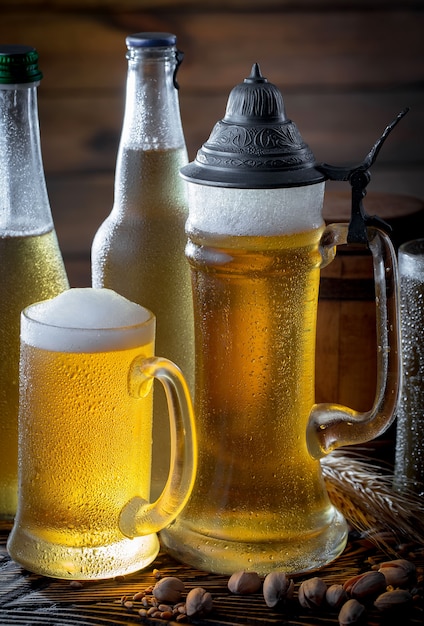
(86, 320)
(255, 212)
(411, 259)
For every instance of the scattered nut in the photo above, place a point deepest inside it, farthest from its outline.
(243, 583)
(166, 615)
(399, 573)
(138, 596)
(168, 589)
(352, 612)
(336, 596)
(198, 602)
(393, 586)
(392, 600)
(277, 588)
(76, 584)
(312, 593)
(365, 586)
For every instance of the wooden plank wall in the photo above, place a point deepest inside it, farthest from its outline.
(345, 69)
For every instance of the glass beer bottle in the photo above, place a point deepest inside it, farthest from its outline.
(31, 265)
(139, 249)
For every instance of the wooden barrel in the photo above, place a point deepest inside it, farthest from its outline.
(346, 326)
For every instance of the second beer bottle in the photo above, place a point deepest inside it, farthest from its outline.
(139, 249)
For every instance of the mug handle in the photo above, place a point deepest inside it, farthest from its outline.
(331, 425)
(139, 517)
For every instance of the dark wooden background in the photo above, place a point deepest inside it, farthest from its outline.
(345, 68)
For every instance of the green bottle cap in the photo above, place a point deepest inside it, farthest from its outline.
(19, 64)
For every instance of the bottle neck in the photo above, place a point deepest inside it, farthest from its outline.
(24, 204)
(152, 119)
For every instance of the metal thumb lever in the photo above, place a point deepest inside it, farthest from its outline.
(359, 177)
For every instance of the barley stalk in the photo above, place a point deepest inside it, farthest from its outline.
(363, 493)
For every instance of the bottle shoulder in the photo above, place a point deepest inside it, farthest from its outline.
(137, 227)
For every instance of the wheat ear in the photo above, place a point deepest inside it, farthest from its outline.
(363, 493)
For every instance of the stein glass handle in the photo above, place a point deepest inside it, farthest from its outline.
(331, 425)
(139, 517)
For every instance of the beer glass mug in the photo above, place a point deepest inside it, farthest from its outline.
(409, 459)
(256, 243)
(85, 428)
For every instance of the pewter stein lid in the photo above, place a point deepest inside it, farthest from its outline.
(255, 145)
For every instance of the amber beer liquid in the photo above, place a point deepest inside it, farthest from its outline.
(259, 500)
(85, 449)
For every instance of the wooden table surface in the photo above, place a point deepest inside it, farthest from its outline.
(29, 599)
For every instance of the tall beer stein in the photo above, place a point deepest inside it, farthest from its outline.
(256, 244)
